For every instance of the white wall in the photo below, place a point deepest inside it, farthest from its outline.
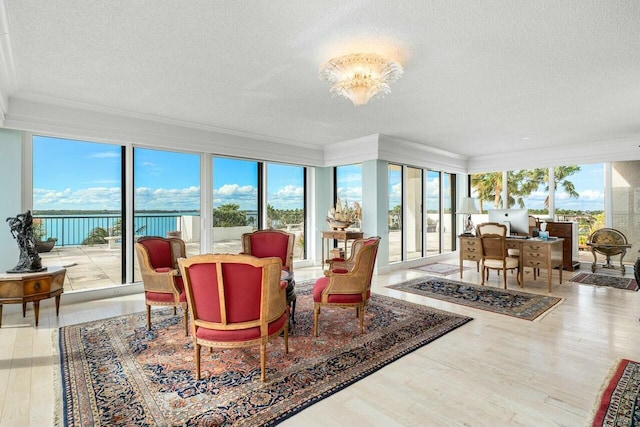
(10, 202)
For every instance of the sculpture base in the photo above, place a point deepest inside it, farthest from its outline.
(24, 270)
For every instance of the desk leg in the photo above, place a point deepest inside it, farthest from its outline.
(36, 310)
(323, 247)
(57, 305)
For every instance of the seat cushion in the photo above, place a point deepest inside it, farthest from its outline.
(158, 297)
(496, 263)
(241, 334)
(321, 285)
(513, 252)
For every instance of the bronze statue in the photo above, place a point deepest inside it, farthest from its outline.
(22, 230)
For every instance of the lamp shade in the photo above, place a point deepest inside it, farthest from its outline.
(468, 206)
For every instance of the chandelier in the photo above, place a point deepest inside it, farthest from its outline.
(360, 76)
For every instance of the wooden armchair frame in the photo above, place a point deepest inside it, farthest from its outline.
(493, 245)
(162, 280)
(274, 313)
(287, 260)
(351, 288)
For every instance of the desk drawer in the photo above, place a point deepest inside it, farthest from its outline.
(470, 250)
(37, 286)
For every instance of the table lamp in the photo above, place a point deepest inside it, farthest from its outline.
(467, 208)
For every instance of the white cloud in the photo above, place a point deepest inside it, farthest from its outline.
(105, 155)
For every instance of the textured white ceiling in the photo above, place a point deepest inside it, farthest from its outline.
(480, 77)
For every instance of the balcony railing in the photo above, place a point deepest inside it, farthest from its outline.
(72, 230)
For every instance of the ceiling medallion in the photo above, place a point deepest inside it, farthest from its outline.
(360, 76)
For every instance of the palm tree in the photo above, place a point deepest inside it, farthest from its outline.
(520, 184)
(541, 176)
(488, 186)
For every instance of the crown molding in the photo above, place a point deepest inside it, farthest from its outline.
(71, 122)
(411, 153)
(620, 149)
(66, 103)
(8, 80)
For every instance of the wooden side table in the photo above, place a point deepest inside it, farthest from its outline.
(21, 288)
(342, 235)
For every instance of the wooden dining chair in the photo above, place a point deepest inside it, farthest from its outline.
(493, 245)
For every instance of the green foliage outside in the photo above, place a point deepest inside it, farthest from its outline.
(98, 234)
(523, 183)
(229, 215)
(280, 218)
(520, 185)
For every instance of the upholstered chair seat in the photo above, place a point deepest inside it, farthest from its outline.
(235, 301)
(163, 285)
(347, 284)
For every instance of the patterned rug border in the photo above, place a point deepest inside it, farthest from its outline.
(453, 322)
(534, 318)
(453, 268)
(631, 286)
(605, 397)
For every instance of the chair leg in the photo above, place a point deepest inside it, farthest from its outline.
(504, 276)
(316, 314)
(148, 317)
(361, 312)
(483, 273)
(197, 355)
(263, 358)
(286, 337)
(186, 321)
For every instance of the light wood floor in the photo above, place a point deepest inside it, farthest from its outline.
(494, 371)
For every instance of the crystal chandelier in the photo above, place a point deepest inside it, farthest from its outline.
(360, 76)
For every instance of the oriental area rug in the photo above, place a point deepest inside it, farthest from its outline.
(440, 268)
(619, 403)
(511, 303)
(114, 372)
(617, 282)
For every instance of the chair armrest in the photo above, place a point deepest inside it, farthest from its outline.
(164, 282)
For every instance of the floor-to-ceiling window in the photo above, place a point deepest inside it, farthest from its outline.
(167, 196)
(235, 202)
(448, 218)
(395, 212)
(348, 182)
(432, 208)
(286, 202)
(414, 218)
(81, 209)
(625, 183)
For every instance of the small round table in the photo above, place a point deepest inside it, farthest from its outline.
(291, 293)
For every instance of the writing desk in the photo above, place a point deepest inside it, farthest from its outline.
(343, 235)
(21, 288)
(534, 253)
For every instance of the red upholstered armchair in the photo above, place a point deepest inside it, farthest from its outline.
(347, 286)
(235, 301)
(268, 243)
(161, 278)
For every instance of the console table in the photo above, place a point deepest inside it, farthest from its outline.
(534, 253)
(343, 235)
(21, 288)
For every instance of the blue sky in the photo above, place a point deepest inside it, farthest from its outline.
(79, 175)
(163, 180)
